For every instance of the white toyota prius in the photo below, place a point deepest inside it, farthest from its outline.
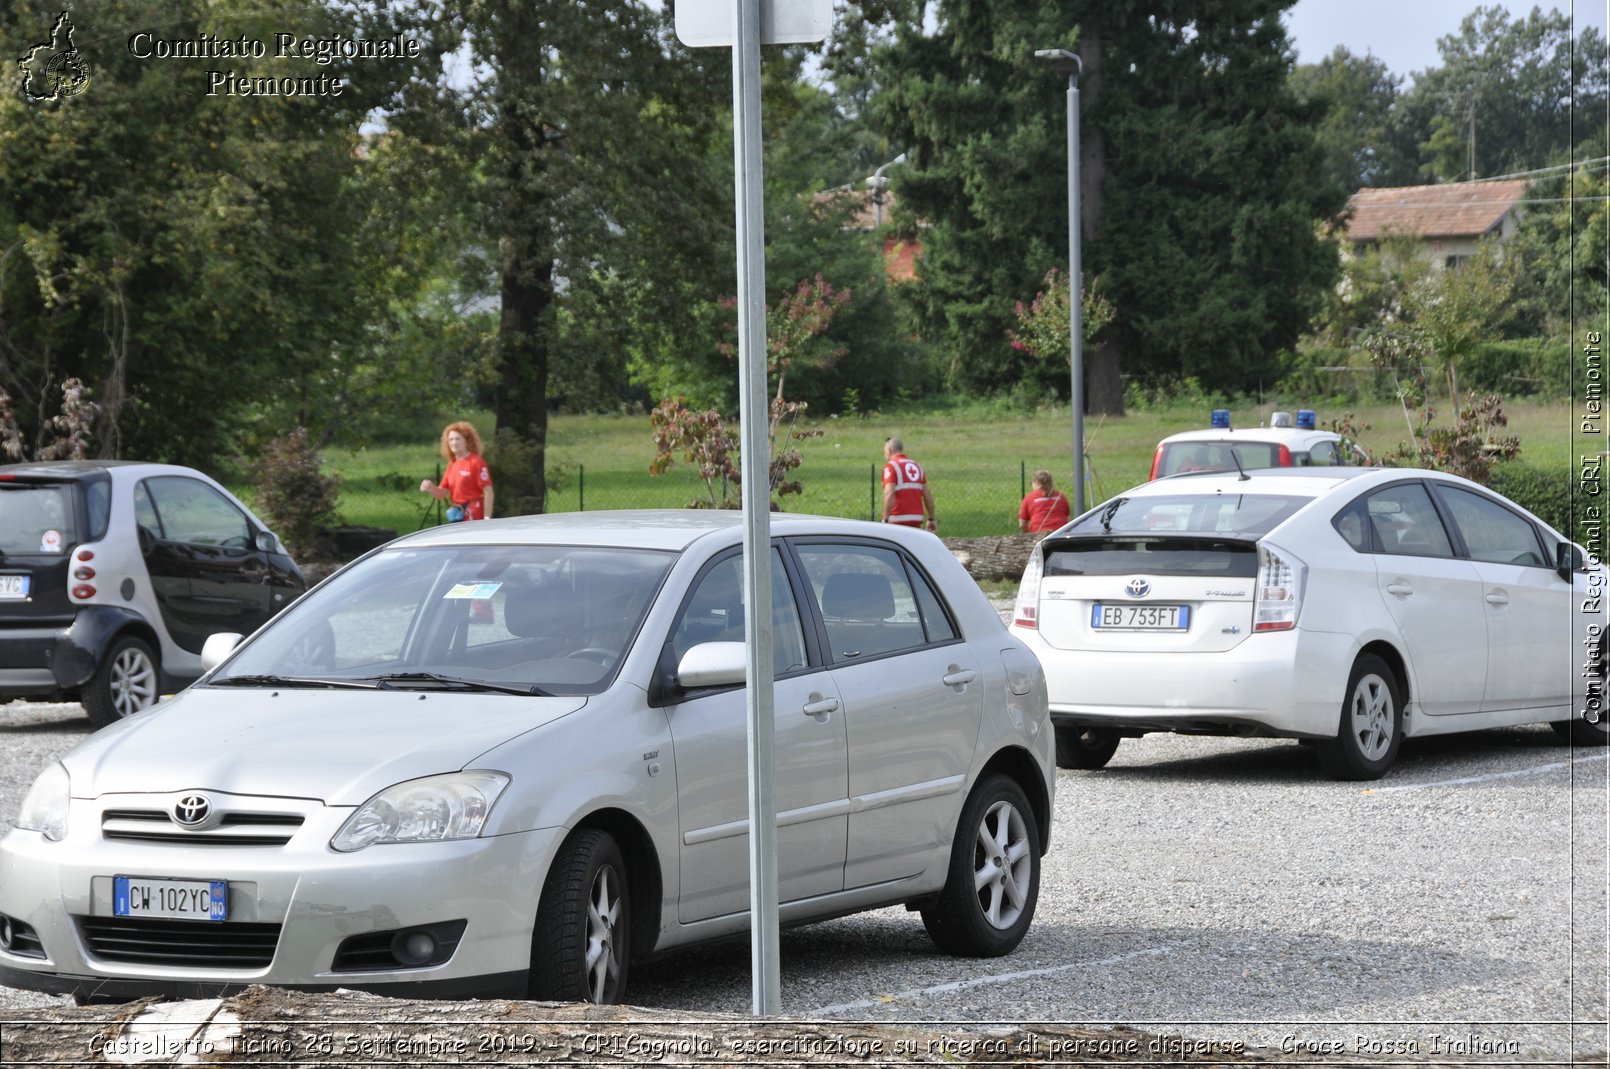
(1349, 607)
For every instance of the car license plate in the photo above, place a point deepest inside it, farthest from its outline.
(13, 586)
(190, 900)
(1140, 617)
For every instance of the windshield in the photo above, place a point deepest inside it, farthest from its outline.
(36, 518)
(506, 619)
(1243, 515)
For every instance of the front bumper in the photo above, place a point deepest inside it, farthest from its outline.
(308, 898)
(1286, 683)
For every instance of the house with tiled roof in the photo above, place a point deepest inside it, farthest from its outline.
(1448, 220)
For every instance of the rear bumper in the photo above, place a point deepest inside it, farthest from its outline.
(1286, 684)
(56, 657)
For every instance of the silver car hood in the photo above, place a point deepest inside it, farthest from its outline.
(337, 746)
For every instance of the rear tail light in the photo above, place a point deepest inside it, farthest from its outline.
(1278, 598)
(1028, 591)
(83, 591)
(1157, 462)
(85, 572)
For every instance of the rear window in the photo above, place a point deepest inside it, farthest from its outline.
(36, 518)
(1181, 457)
(1152, 556)
(1241, 515)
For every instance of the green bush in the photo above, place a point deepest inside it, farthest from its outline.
(1522, 367)
(294, 495)
(1546, 492)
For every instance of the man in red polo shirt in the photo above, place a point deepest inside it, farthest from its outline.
(906, 496)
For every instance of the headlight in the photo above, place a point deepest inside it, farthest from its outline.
(427, 810)
(44, 808)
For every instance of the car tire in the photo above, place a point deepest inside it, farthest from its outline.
(127, 680)
(1369, 731)
(1085, 747)
(1581, 732)
(581, 945)
(985, 907)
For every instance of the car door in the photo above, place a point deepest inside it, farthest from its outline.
(1527, 605)
(1434, 598)
(913, 702)
(199, 549)
(709, 730)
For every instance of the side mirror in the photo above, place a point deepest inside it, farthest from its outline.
(268, 542)
(711, 664)
(217, 648)
(1568, 558)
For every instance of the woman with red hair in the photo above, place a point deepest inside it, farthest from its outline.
(467, 483)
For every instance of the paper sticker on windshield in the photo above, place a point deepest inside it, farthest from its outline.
(50, 542)
(477, 591)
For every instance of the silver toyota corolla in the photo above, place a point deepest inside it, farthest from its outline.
(508, 758)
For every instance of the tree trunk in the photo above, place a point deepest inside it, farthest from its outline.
(525, 248)
(1104, 387)
(264, 1026)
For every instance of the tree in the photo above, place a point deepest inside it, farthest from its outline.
(1357, 94)
(1202, 183)
(1510, 95)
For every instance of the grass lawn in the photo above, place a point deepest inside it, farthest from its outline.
(977, 457)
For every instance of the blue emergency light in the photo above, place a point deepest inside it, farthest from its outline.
(1305, 419)
(1221, 418)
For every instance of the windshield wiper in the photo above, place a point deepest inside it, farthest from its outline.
(409, 680)
(288, 681)
(1110, 511)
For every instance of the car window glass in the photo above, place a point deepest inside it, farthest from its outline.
(1243, 514)
(934, 618)
(1352, 523)
(145, 512)
(867, 603)
(1406, 523)
(1492, 532)
(191, 511)
(1323, 455)
(36, 518)
(714, 612)
(98, 502)
(1180, 457)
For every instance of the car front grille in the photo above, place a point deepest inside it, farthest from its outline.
(179, 943)
(235, 829)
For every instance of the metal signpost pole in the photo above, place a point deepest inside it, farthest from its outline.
(756, 468)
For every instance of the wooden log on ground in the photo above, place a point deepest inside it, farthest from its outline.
(999, 557)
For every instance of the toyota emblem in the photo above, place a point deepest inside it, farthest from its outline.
(1137, 587)
(192, 810)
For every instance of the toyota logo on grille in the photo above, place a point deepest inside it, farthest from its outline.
(1137, 587)
(192, 810)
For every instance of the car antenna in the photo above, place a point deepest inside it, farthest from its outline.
(1237, 458)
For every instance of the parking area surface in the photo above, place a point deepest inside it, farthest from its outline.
(1223, 890)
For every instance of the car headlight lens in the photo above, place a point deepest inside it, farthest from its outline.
(44, 808)
(429, 810)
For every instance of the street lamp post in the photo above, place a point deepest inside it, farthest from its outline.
(1066, 63)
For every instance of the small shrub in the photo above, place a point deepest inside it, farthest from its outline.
(294, 495)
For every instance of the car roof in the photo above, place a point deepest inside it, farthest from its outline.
(1287, 436)
(668, 529)
(70, 469)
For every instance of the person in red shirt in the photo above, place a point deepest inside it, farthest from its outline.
(467, 482)
(906, 494)
(1044, 507)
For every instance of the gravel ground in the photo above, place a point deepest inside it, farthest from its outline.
(1222, 890)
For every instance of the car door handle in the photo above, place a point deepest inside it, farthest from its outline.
(1400, 587)
(1498, 597)
(960, 678)
(821, 707)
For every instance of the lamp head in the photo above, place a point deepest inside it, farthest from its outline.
(1062, 61)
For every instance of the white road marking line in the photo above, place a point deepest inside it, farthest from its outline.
(1491, 775)
(983, 981)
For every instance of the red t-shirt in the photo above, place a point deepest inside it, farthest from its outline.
(464, 480)
(1044, 513)
(908, 480)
